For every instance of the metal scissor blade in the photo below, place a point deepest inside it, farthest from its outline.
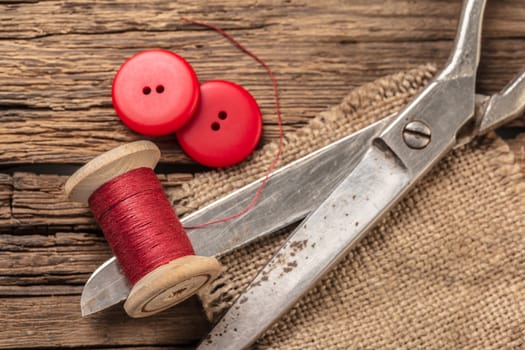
(504, 106)
(294, 190)
(115, 288)
(372, 188)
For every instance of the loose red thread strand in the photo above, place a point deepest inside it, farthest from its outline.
(279, 122)
(139, 223)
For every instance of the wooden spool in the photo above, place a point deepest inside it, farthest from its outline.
(168, 284)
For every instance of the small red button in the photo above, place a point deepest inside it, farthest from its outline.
(226, 127)
(155, 92)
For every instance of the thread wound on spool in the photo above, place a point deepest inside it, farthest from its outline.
(139, 223)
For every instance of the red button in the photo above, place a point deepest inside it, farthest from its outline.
(226, 127)
(155, 92)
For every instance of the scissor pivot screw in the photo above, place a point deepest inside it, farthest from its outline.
(417, 135)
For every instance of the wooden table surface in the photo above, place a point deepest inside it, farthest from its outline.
(57, 61)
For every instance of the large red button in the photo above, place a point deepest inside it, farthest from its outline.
(226, 127)
(155, 92)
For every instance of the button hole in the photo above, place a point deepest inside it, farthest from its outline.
(160, 89)
(146, 90)
(223, 115)
(215, 126)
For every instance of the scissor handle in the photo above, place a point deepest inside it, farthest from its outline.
(464, 59)
(445, 106)
(504, 106)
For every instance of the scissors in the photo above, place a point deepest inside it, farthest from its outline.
(340, 192)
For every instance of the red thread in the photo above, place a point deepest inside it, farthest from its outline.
(279, 123)
(139, 223)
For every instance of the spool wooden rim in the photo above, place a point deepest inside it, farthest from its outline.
(170, 284)
(110, 165)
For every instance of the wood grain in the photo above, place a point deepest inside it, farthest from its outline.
(41, 277)
(49, 264)
(35, 201)
(57, 63)
(23, 324)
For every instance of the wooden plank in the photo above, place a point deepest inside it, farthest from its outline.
(53, 264)
(45, 322)
(55, 100)
(427, 18)
(41, 277)
(6, 194)
(35, 200)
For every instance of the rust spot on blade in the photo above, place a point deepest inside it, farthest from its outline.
(298, 245)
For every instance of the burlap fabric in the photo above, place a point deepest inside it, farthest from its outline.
(445, 269)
